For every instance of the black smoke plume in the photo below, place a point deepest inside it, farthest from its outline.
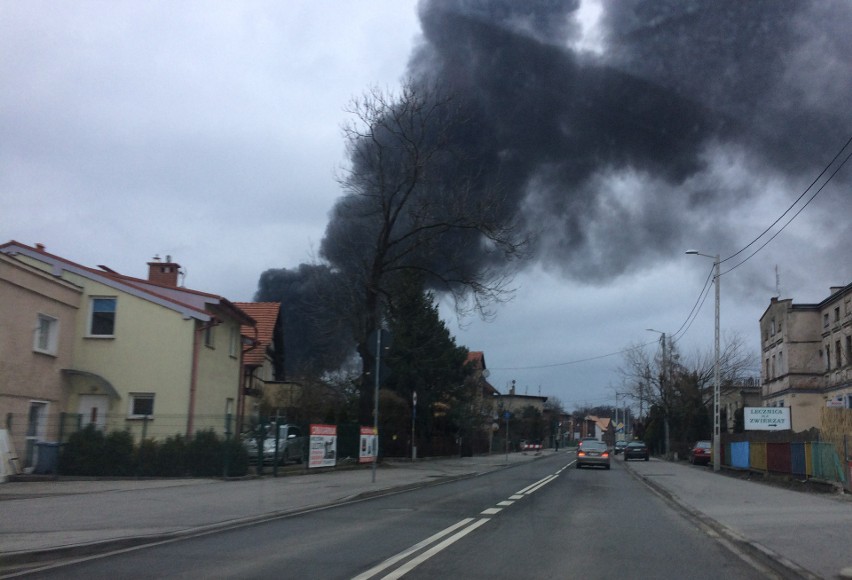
(620, 147)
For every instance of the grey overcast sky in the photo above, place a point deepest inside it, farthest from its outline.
(210, 131)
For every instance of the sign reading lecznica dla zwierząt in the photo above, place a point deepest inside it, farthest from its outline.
(767, 418)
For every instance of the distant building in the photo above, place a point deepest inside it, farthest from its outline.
(806, 360)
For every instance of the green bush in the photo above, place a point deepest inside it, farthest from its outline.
(171, 457)
(83, 454)
(90, 452)
(118, 454)
(146, 458)
(236, 456)
(205, 456)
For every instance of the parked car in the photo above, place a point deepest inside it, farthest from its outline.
(636, 450)
(593, 452)
(291, 445)
(701, 453)
(619, 446)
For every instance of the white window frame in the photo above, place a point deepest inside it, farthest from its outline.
(132, 401)
(92, 300)
(209, 336)
(48, 325)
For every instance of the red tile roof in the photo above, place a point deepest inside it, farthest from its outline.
(266, 316)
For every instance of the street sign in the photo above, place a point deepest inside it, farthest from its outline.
(766, 418)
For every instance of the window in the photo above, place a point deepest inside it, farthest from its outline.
(102, 322)
(849, 350)
(772, 372)
(780, 363)
(838, 362)
(837, 314)
(233, 341)
(827, 358)
(766, 370)
(772, 326)
(141, 405)
(46, 334)
(209, 341)
(825, 320)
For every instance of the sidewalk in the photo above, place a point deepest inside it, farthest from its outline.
(807, 534)
(48, 520)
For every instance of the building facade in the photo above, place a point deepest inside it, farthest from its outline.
(147, 355)
(38, 317)
(806, 361)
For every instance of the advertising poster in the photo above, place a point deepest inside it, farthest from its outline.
(369, 442)
(323, 452)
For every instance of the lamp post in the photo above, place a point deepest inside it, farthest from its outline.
(716, 451)
(664, 388)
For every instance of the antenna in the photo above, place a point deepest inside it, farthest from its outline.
(777, 282)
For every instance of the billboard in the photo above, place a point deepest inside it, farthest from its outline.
(369, 442)
(767, 418)
(323, 451)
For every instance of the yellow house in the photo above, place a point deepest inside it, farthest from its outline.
(148, 355)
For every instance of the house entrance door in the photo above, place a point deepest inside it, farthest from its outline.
(93, 409)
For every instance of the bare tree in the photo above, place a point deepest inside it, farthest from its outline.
(678, 387)
(415, 201)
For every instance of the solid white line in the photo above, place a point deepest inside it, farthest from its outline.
(532, 485)
(541, 484)
(403, 570)
(406, 553)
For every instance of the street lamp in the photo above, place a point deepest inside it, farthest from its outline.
(664, 386)
(716, 453)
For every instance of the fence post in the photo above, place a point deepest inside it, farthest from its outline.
(227, 446)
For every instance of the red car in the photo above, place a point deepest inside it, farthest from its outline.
(701, 453)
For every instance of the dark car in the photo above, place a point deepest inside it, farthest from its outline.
(619, 446)
(636, 450)
(593, 453)
(701, 453)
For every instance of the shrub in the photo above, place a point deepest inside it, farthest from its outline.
(171, 457)
(118, 455)
(205, 455)
(237, 457)
(83, 454)
(146, 458)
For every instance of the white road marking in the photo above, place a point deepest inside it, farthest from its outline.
(505, 503)
(403, 570)
(491, 511)
(406, 553)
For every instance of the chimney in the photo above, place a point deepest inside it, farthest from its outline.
(163, 273)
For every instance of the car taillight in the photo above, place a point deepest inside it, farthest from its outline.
(581, 454)
(605, 454)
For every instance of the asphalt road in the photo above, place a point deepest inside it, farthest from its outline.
(543, 519)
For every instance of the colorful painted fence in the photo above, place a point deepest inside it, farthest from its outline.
(811, 459)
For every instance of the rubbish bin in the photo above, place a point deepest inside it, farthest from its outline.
(48, 457)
